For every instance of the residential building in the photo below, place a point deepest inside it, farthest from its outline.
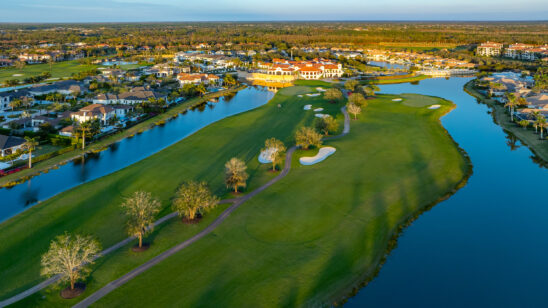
(489, 49)
(93, 112)
(66, 87)
(314, 69)
(10, 144)
(208, 79)
(135, 96)
(5, 99)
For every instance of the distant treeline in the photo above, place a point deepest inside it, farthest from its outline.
(276, 34)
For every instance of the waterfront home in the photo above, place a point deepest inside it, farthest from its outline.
(122, 111)
(100, 112)
(136, 95)
(67, 131)
(539, 101)
(65, 87)
(311, 69)
(10, 144)
(489, 49)
(208, 79)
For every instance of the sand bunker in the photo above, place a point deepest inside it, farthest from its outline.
(321, 115)
(434, 106)
(323, 153)
(320, 89)
(307, 107)
(17, 75)
(318, 109)
(397, 100)
(299, 95)
(313, 94)
(264, 157)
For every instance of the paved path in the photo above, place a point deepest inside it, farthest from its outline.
(135, 272)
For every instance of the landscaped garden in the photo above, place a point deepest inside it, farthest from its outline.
(307, 239)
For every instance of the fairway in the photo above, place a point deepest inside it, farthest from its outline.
(58, 70)
(306, 240)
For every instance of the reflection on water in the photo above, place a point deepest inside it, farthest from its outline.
(125, 152)
(487, 245)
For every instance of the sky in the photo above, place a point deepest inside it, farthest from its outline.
(41, 11)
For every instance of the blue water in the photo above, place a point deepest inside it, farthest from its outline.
(486, 246)
(126, 152)
(388, 65)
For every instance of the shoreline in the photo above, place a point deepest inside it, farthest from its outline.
(54, 162)
(392, 238)
(502, 119)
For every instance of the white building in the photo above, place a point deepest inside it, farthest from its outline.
(489, 49)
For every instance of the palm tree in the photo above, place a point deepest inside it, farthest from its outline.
(201, 89)
(536, 115)
(541, 123)
(85, 128)
(30, 144)
(511, 103)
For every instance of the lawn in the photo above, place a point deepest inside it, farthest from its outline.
(58, 70)
(306, 240)
(394, 80)
(93, 208)
(322, 230)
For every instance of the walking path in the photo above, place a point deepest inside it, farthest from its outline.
(159, 258)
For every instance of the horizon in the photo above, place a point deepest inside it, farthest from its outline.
(124, 11)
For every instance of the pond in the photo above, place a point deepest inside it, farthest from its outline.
(487, 245)
(126, 152)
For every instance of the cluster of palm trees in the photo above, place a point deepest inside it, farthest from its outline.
(539, 120)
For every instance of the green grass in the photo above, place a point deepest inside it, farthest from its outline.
(306, 240)
(93, 208)
(416, 100)
(395, 80)
(58, 70)
(320, 231)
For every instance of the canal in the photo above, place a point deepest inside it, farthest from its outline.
(486, 246)
(126, 152)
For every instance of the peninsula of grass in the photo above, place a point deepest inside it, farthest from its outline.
(94, 207)
(381, 80)
(307, 240)
(502, 117)
(322, 230)
(15, 178)
(59, 70)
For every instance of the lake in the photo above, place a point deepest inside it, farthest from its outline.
(126, 152)
(487, 245)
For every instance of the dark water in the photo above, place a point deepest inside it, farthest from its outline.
(125, 152)
(487, 246)
(388, 65)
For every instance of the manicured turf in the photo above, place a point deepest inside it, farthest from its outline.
(417, 100)
(395, 80)
(305, 240)
(93, 208)
(310, 238)
(58, 70)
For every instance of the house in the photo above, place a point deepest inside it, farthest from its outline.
(489, 49)
(33, 58)
(122, 111)
(538, 101)
(93, 112)
(65, 87)
(5, 99)
(313, 69)
(208, 79)
(67, 131)
(6, 62)
(134, 96)
(10, 144)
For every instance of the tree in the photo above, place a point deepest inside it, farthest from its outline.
(524, 123)
(140, 210)
(235, 174)
(511, 103)
(357, 99)
(351, 84)
(275, 148)
(69, 257)
(370, 90)
(16, 103)
(229, 80)
(29, 145)
(193, 198)
(353, 109)
(541, 123)
(332, 95)
(326, 125)
(85, 129)
(201, 89)
(307, 137)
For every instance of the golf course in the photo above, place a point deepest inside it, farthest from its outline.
(309, 239)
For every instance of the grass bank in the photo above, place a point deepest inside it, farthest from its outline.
(380, 80)
(60, 70)
(101, 144)
(94, 207)
(323, 229)
(501, 116)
